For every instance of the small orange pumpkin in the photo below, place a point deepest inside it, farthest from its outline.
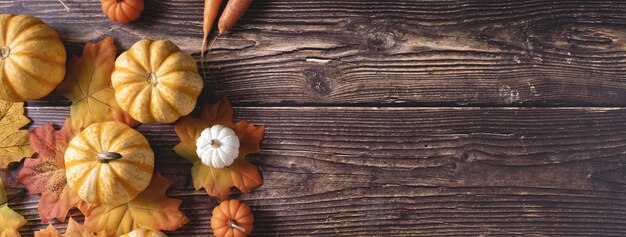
(232, 218)
(122, 11)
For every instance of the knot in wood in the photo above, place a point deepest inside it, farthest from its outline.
(381, 41)
(317, 81)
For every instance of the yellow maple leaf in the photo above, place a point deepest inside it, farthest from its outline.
(50, 231)
(151, 210)
(10, 221)
(88, 85)
(74, 229)
(13, 142)
(241, 174)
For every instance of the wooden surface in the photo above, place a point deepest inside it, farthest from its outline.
(398, 118)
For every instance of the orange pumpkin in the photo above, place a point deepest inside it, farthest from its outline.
(109, 163)
(232, 218)
(32, 58)
(154, 81)
(122, 11)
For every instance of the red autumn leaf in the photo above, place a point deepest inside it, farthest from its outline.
(241, 174)
(151, 210)
(46, 173)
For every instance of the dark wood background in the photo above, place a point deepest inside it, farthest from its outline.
(398, 118)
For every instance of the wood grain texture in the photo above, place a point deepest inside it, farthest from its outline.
(342, 171)
(420, 53)
(358, 139)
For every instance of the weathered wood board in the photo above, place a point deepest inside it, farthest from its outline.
(406, 171)
(291, 52)
(398, 118)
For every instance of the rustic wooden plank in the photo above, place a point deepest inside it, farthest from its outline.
(455, 52)
(345, 171)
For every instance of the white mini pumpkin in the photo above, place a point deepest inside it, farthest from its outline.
(218, 146)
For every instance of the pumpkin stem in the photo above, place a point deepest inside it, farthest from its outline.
(5, 52)
(66, 8)
(105, 157)
(215, 143)
(152, 79)
(232, 224)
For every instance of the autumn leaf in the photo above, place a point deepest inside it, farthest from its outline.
(241, 174)
(150, 210)
(13, 141)
(49, 231)
(88, 85)
(74, 229)
(46, 173)
(10, 221)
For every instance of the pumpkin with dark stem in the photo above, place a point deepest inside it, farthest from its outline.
(109, 163)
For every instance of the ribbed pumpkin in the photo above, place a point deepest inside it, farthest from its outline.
(232, 218)
(32, 58)
(109, 163)
(122, 11)
(155, 81)
(218, 146)
(144, 233)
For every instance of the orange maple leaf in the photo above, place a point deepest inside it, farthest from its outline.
(87, 84)
(241, 174)
(151, 210)
(46, 174)
(74, 229)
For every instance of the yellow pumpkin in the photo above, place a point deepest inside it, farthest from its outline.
(155, 81)
(109, 163)
(144, 233)
(32, 58)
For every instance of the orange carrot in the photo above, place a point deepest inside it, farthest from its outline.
(233, 11)
(211, 7)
